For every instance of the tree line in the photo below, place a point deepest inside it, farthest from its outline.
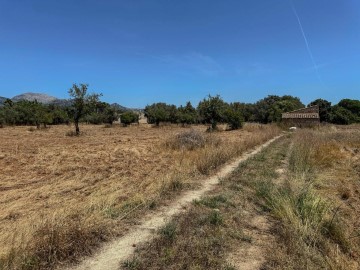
(84, 107)
(212, 110)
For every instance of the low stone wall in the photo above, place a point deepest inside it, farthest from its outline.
(301, 122)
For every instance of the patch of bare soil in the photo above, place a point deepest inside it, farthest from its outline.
(252, 255)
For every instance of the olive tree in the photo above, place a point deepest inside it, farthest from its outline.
(129, 117)
(82, 101)
(186, 115)
(211, 110)
(324, 109)
(233, 116)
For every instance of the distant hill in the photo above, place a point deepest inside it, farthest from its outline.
(119, 107)
(42, 98)
(46, 99)
(124, 109)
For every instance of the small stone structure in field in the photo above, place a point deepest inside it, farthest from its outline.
(306, 117)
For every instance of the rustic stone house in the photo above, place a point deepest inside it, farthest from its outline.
(306, 117)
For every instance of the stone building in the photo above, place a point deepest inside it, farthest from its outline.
(306, 117)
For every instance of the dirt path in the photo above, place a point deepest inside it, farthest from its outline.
(115, 252)
(258, 226)
(251, 256)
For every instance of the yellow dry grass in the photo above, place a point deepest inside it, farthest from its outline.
(61, 196)
(320, 206)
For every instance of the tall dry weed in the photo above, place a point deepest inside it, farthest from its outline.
(215, 155)
(63, 238)
(313, 228)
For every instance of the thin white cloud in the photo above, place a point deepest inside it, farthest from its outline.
(255, 68)
(195, 61)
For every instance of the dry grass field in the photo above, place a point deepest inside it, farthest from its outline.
(62, 196)
(295, 205)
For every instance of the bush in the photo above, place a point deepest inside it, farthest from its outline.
(351, 105)
(94, 118)
(233, 117)
(341, 116)
(324, 109)
(160, 112)
(129, 117)
(193, 139)
(188, 140)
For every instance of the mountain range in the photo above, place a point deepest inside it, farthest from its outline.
(46, 99)
(42, 98)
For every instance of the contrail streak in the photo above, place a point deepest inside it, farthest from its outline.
(306, 42)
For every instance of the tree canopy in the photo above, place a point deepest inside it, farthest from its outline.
(82, 104)
(129, 117)
(212, 110)
(269, 109)
(324, 109)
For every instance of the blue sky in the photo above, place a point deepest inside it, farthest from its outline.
(139, 52)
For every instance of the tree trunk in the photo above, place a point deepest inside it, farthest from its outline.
(77, 129)
(213, 125)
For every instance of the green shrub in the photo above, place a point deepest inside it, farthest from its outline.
(233, 117)
(342, 116)
(129, 117)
